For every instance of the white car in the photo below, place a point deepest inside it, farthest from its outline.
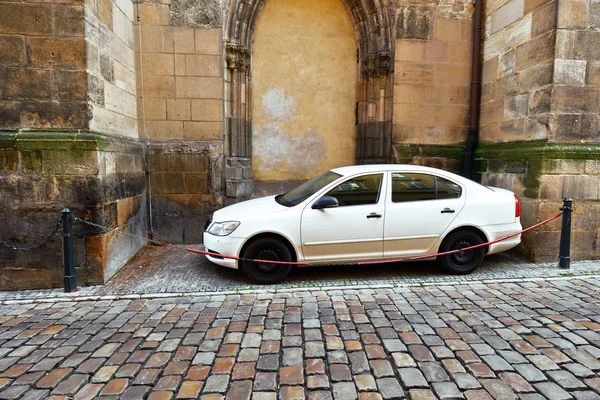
(365, 213)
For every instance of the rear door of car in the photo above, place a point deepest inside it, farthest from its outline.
(351, 231)
(419, 208)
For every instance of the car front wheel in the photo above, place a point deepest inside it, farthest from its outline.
(266, 249)
(462, 262)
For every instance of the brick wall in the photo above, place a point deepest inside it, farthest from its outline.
(110, 52)
(42, 65)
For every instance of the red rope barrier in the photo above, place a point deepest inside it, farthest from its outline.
(217, 255)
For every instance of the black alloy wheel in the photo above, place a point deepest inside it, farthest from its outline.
(266, 249)
(463, 262)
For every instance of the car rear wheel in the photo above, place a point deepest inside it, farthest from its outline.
(462, 262)
(266, 249)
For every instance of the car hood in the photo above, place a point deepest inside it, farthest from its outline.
(249, 209)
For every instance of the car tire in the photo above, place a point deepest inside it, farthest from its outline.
(266, 249)
(462, 262)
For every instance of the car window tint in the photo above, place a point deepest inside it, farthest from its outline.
(357, 191)
(419, 187)
(447, 189)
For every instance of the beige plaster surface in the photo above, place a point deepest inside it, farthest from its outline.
(304, 89)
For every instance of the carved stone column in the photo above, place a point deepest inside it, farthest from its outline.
(238, 162)
(374, 109)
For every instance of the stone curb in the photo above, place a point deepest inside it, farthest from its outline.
(72, 297)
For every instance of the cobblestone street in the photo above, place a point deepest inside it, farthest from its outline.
(529, 340)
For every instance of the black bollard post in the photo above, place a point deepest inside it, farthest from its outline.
(68, 253)
(564, 258)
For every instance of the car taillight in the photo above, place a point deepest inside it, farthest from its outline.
(517, 207)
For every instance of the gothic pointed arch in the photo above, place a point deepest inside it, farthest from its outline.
(375, 43)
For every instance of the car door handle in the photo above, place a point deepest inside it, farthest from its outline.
(447, 211)
(374, 215)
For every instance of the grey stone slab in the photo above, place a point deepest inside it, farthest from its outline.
(552, 391)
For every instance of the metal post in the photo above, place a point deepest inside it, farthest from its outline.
(68, 253)
(564, 258)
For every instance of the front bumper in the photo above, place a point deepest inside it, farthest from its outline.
(225, 245)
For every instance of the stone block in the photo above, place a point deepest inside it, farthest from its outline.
(69, 162)
(238, 188)
(203, 65)
(452, 74)
(508, 38)
(593, 73)
(180, 64)
(165, 129)
(565, 44)
(203, 130)
(544, 19)
(507, 14)
(569, 72)
(413, 114)
(413, 72)
(125, 78)
(123, 28)
(107, 67)
(516, 106)
(158, 86)
(459, 52)
(50, 114)
(453, 30)
(490, 70)
(579, 186)
(506, 63)
(417, 50)
(26, 19)
(199, 87)
(178, 109)
(575, 99)
(68, 20)
(12, 50)
(540, 101)
(61, 53)
(454, 94)
(572, 14)
(72, 85)
(207, 110)
(565, 127)
(10, 115)
(168, 182)
(594, 14)
(590, 126)
(20, 84)
(105, 12)
(507, 85)
(531, 5)
(586, 45)
(208, 41)
(450, 115)
(536, 76)
(535, 51)
(413, 94)
(155, 39)
(154, 14)
(188, 163)
(183, 40)
(415, 22)
(492, 111)
(196, 182)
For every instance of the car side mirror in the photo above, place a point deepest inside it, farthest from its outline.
(325, 202)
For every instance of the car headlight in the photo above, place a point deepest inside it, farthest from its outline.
(223, 228)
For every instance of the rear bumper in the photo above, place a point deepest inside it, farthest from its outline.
(498, 231)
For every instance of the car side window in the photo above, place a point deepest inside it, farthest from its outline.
(419, 187)
(360, 190)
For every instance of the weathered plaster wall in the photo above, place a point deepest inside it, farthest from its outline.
(110, 56)
(42, 65)
(304, 89)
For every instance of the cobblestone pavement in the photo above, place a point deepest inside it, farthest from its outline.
(172, 269)
(526, 340)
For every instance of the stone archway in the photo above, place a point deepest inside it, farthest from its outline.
(372, 25)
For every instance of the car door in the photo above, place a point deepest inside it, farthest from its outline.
(351, 231)
(419, 208)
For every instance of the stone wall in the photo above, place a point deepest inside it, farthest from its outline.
(180, 106)
(42, 65)
(431, 82)
(111, 76)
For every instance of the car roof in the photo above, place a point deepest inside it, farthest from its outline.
(357, 169)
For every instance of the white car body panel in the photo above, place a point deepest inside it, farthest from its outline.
(344, 234)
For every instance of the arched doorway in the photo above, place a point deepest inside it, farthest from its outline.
(374, 88)
(304, 71)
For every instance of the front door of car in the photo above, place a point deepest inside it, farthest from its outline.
(419, 208)
(351, 231)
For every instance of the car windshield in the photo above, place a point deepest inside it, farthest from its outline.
(307, 189)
